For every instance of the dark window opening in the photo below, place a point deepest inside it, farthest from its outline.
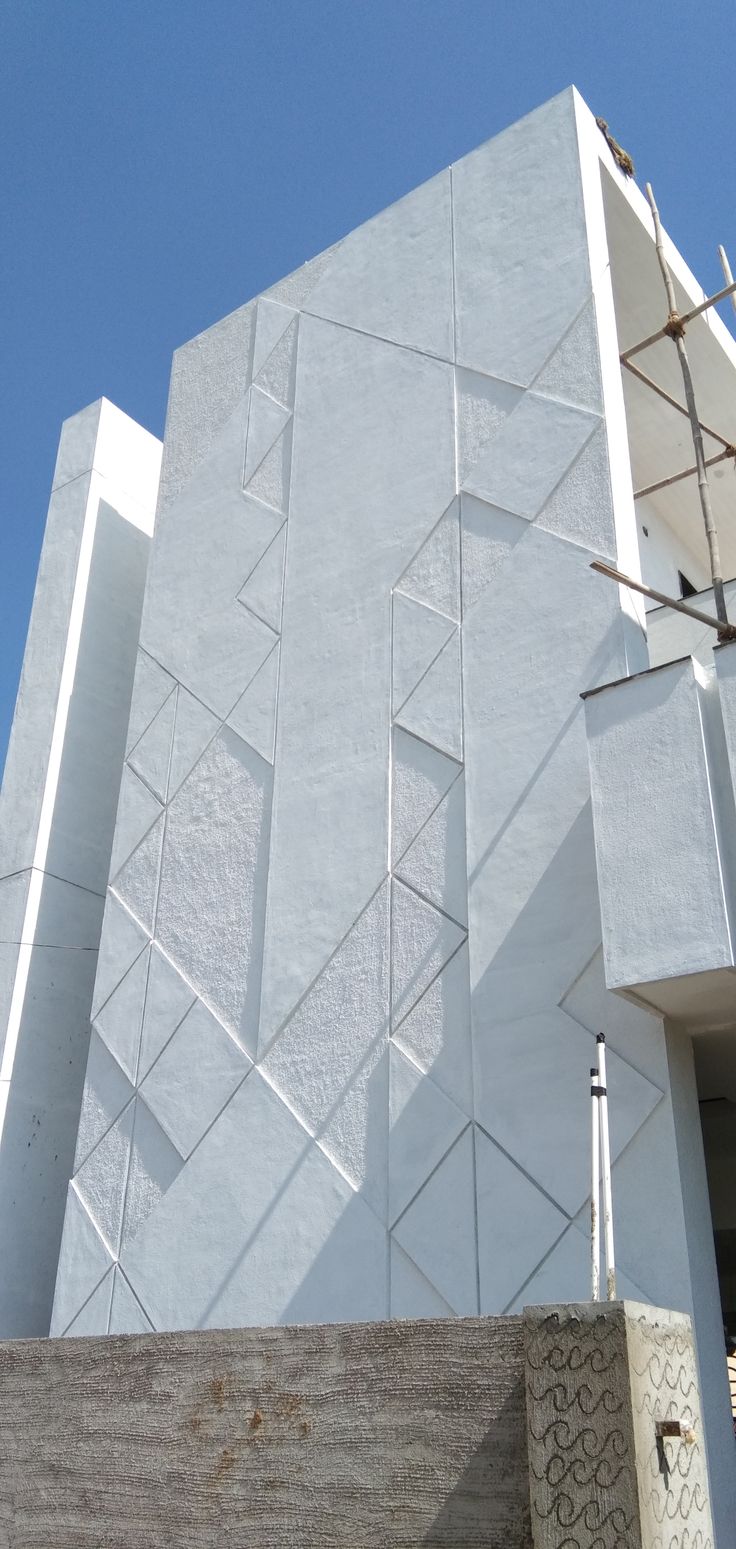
(686, 587)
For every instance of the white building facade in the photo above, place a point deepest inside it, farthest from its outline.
(355, 950)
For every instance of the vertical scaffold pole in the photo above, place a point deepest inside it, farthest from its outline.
(595, 1183)
(675, 330)
(606, 1169)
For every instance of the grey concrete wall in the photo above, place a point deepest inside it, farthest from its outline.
(502, 1433)
(398, 1434)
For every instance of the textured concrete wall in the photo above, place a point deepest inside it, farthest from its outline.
(391, 1434)
(353, 896)
(57, 816)
(500, 1433)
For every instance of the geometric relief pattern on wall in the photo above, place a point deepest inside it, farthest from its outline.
(573, 371)
(151, 688)
(437, 1231)
(433, 1266)
(554, 1148)
(329, 1062)
(483, 403)
(433, 575)
(211, 899)
(178, 986)
(529, 454)
(488, 536)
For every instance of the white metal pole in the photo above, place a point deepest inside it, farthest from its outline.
(606, 1161)
(595, 1180)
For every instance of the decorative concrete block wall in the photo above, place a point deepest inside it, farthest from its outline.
(353, 902)
(496, 1433)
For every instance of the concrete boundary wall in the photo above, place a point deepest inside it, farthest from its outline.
(480, 1433)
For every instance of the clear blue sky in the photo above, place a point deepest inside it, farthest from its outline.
(164, 160)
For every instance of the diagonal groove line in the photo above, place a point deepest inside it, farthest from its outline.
(520, 1291)
(267, 453)
(410, 888)
(590, 299)
(430, 1175)
(284, 1024)
(164, 701)
(421, 1272)
(109, 1271)
(435, 658)
(430, 535)
(136, 1298)
(529, 1176)
(428, 819)
(402, 1020)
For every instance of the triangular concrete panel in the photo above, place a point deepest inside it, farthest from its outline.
(423, 1124)
(422, 942)
(151, 687)
(136, 883)
(435, 864)
(278, 375)
(272, 321)
(121, 942)
(434, 710)
(262, 592)
(482, 405)
(83, 1260)
(106, 1092)
(517, 1224)
(270, 481)
(438, 1229)
(573, 372)
(119, 1021)
(433, 577)
(436, 1032)
(126, 1314)
(254, 716)
(418, 636)
(412, 1296)
(168, 998)
(194, 729)
(266, 421)
(488, 536)
(529, 455)
(393, 276)
(420, 777)
(154, 1166)
(138, 808)
(101, 1182)
(95, 1315)
(151, 756)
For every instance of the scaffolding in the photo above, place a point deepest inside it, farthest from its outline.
(674, 328)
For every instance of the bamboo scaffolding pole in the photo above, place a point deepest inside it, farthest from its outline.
(595, 1184)
(661, 597)
(687, 473)
(675, 329)
(678, 319)
(727, 275)
(680, 407)
(606, 1170)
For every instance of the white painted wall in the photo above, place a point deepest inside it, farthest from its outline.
(663, 554)
(57, 814)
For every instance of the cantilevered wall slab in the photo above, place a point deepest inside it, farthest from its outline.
(57, 815)
(350, 974)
